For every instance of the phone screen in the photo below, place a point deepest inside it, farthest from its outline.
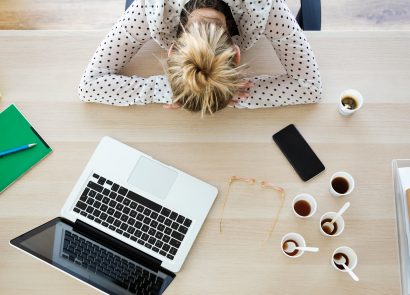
(298, 152)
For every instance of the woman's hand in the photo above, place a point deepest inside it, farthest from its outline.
(242, 94)
(171, 106)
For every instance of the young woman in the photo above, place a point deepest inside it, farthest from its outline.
(204, 39)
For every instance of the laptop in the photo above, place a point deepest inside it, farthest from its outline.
(128, 224)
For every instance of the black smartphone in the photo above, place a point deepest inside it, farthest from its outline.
(298, 152)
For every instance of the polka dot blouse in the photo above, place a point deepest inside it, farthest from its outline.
(159, 20)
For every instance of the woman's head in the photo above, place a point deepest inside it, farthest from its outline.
(203, 64)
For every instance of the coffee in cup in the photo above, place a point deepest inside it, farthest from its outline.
(350, 101)
(304, 205)
(341, 184)
(334, 229)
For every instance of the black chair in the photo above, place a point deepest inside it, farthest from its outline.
(308, 17)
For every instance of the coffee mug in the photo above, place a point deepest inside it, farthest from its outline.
(349, 102)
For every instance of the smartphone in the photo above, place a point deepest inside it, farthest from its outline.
(298, 152)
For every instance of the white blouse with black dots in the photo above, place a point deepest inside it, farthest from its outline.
(159, 19)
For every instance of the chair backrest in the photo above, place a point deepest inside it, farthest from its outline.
(309, 16)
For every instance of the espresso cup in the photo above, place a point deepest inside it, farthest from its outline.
(298, 240)
(339, 224)
(304, 205)
(341, 184)
(349, 102)
(350, 256)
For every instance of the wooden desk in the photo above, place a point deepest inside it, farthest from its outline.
(40, 71)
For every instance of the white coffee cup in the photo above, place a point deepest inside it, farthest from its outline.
(300, 242)
(356, 96)
(350, 254)
(339, 223)
(310, 200)
(350, 182)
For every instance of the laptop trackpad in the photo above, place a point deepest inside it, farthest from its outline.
(152, 177)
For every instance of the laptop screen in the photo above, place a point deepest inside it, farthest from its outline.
(59, 244)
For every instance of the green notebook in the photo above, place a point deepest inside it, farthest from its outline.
(16, 131)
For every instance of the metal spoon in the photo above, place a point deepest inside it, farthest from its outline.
(342, 261)
(330, 224)
(289, 247)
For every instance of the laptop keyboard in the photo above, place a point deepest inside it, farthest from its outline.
(121, 271)
(133, 216)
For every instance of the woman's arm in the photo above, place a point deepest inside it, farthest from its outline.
(301, 83)
(101, 82)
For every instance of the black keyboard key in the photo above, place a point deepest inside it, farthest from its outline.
(138, 233)
(163, 253)
(180, 219)
(109, 182)
(148, 245)
(165, 212)
(143, 201)
(113, 195)
(110, 211)
(115, 187)
(89, 209)
(81, 205)
(140, 208)
(110, 219)
(147, 212)
(117, 214)
(83, 198)
(145, 228)
(111, 227)
(83, 213)
(154, 223)
(158, 244)
(182, 229)
(141, 242)
(173, 251)
(123, 191)
(168, 222)
(177, 235)
(166, 238)
(166, 247)
(161, 218)
(119, 206)
(175, 225)
(175, 243)
(131, 221)
(173, 215)
(106, 200)
(97, 205)
(104, 208)
(140, 217)
(99, 197)
(168, 231)
(145, 237)
(119, 198)
(126, 202)
(152, 240)
(106, 192)
(131, 230)
(96, 213)
(127, 235)
(159, 235)
(187, 222)
(98, 220)
(90, 201)
(119, 231)
(124, 218)
(101, 180)
(138, 224)
(117, 223)
(85, 192)
(92, 194)
(112, 203)
(126, 210)
(170, 256)
(133, 238)
(147, 220)
(152, 232)
(103, 216)
(76, 210)
(95, 186)
(89, 216)
(104, 224)
(124, 226)
(133, 213)
(133, 205)
(161, 227)
(95, 175)
(155, 249)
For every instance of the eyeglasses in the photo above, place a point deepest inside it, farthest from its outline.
(263, 184)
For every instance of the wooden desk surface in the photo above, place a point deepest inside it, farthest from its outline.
(40, 71)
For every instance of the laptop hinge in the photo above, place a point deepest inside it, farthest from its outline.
(117, 245)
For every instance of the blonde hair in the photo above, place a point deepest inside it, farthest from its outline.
(202, 69)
